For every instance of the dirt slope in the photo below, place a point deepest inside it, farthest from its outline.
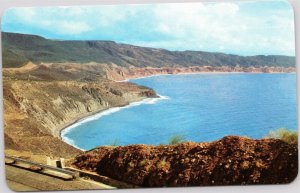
(231, 160)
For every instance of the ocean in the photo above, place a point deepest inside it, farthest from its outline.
(197, 107)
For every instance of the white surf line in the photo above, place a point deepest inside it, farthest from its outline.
(188, 73)
(154, 75)
(97, 116)
(71, 142)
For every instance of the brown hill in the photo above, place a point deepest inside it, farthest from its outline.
(231, 160)
(37, 108)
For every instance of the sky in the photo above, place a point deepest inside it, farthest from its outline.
(257, 27)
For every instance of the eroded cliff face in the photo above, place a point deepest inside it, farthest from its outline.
(229, 161)
(35, 111)
(117, 73)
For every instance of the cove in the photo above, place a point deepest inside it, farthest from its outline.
(199, 107)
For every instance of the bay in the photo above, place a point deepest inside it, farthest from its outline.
(198, 107)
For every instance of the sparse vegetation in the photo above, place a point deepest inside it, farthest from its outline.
(143, 162)
(176, 139)
(247, 137)
(245, 165)
(286, 135)
(115, 143)
(163, 164)
(131, 164)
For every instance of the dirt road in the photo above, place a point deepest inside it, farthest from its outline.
(24, 180)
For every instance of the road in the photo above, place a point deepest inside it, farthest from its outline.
(25, 180)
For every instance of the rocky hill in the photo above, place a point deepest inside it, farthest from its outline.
(38, 103)
(229, 161)
(19, 49)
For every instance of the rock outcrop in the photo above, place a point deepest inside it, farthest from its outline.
(229, 161)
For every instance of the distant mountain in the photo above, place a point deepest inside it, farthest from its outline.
(18, 49)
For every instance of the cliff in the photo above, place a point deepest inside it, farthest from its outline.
(38, 103)
(229, 161)
(118, 73)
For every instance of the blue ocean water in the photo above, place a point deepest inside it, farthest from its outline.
(199, 107)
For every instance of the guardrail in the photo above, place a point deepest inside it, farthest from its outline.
(43, 166)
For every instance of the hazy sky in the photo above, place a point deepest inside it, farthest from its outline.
(245, 28)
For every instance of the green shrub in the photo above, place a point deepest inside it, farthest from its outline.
(285, 135)
(143, 162)
(115, 143)
(176, 139)
(162, 164)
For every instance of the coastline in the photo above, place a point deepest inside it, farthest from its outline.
(183, 73)
(83, 117)
(98, 114)
(75, 120)
(193, 73)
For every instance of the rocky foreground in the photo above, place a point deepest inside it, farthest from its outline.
(229, 161)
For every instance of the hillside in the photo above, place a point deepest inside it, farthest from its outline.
(231, 160)
(36, 110)
(19, 49)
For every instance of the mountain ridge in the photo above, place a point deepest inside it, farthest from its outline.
(19, 49)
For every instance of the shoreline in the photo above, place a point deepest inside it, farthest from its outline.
(83, 117)
(194, 73)
(79, 119)
(101, 113)
(184, 73)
